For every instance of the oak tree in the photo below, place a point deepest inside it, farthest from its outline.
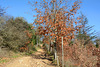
(57, 18)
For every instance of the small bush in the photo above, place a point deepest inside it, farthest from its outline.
(79, 56)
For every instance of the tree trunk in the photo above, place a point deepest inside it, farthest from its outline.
(55, 51)
(62, 54)
(55, 54)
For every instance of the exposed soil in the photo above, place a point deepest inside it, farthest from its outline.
(36, 60)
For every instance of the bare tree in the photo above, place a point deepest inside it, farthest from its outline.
(1, 11)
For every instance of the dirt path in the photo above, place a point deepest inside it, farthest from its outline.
(37, 60)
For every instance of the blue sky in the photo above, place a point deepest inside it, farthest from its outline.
(21, 8)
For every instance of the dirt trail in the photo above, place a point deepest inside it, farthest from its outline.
(37, 60)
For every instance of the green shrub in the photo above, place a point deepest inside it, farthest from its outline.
(12, 33)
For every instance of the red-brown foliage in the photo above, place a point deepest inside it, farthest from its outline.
(57, 21)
